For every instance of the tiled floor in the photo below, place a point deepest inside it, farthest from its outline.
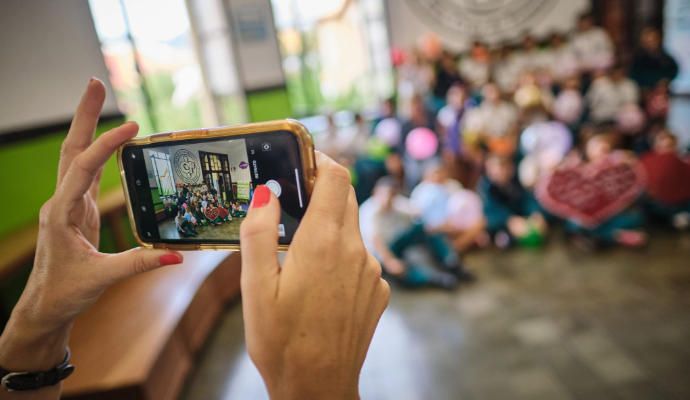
(550, 324)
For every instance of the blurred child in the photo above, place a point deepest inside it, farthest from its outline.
(592, 45)
(421, 117)
(184, 225)
(189, 217)
(528, 57)
(505, 69)
(447, 75)
(433, 197)
(197, 213)
(329, 141)
(512, 214)
(651, 63)
(495, 117)
(415, 76)
(386, 110)
(657, 102)
(668, 181)
(609, 93)
(449, 118)
(560, 59)
(532, 97)
(624, 228)
(356, 142)
(475, 68)
(569, 104)
(389, 228)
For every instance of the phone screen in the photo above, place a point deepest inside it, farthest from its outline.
(199, 190)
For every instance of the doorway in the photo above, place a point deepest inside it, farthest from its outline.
(216, 171)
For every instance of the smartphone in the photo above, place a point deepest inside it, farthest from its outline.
(190, 190)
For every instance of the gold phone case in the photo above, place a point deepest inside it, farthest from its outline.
(306, 148)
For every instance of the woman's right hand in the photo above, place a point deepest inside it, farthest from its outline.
(308, 325)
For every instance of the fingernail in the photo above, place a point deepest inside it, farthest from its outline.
(262, 195)
(170, 259)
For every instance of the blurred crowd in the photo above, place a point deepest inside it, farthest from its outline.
(500, 145)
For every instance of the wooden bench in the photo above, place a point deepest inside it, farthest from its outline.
(140, 339)
(18, 248)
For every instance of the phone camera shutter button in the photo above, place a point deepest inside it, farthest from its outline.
(274, 186)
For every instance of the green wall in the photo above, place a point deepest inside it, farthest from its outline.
(268, 105)
(28, 172)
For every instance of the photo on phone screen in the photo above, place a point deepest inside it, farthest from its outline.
(199, 191)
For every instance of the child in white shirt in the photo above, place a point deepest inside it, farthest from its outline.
(592, 45)
(609, 93)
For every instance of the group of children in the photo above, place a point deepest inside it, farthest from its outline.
(526, 139)
(194, 208)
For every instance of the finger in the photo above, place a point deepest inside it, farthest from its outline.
(351, 219)
(138, 260)
(96, 185)
(84, 168)
(259, 245)
(329, 197)
(83, 125)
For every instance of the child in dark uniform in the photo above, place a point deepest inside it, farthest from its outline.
(511, 212)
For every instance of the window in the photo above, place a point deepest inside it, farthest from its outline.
(163, 172)
(153, 65)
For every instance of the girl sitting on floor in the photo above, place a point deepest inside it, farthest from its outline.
(626, 227)
(184, 226)
(668, 182)
(512, 214)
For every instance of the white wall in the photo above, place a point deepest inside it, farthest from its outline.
(459, 22)
(677, 40)
(236, 151)
(48, 52)
(259, 61)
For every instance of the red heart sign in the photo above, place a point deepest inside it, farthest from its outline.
(591, 193)
(211, 213)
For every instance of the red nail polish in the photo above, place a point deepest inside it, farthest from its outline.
(170, 258)
(262, 195)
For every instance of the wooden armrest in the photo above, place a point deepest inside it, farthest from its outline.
(144, 331)
(17, 249)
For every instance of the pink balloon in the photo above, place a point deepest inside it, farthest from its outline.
(465, 209)
(421, 143)
(568, 106)
(388, 131)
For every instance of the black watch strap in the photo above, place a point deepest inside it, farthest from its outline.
(18, 381)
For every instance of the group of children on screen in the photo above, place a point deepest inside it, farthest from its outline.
(197, 207)
(466, 155)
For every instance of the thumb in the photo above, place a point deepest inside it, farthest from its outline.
(259, 243)
(138, 260)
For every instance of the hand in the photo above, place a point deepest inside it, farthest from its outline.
(518, 226)
(308, 325)
(69, 274)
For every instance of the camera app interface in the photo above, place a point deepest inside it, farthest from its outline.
(200, 191)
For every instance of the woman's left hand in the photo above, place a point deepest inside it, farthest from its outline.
(69, 273)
